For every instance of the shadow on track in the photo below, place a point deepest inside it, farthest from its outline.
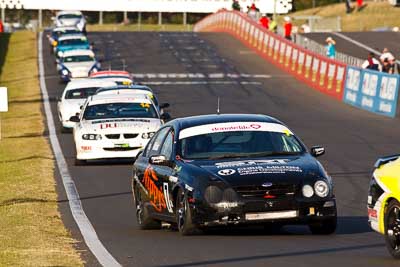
(277, 255)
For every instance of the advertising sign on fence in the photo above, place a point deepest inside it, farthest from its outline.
(373, 91)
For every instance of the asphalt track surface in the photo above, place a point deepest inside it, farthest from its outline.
(353, 139)
(375, 40)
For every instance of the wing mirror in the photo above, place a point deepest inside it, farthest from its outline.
(317, 151)
(74, 119)
(159, 160)
(164, 105)
(165, 117)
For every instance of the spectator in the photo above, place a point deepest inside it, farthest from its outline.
(273, 26)
(359, 4)
(1, 27)
(330, 47)
(264, 21)
(372, 63)
(252, 12)
(305, 28)
(236, 5)
(387, 66)
(386, 55)
(288, 28)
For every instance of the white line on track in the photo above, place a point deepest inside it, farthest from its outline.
(86, 228)
(199, 75)
(200, 82)
(366, 47)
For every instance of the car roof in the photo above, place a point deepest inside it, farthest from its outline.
(72, 36)
(87, 83)
(114, 73)
(128, 98)
(65, 12)
(123, 91)
(127, 87)
(186, 122)
(78, 52)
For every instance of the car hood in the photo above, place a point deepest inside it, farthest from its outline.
(79, 66)
(136, 125)
(278, 170)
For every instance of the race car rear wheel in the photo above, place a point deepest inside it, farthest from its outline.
(184, 217)
(392, 228)
(324, 227)
(143, 218)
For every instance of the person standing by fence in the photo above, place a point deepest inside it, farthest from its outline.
(264, 21)
(236, 5)
(372, 63)
(1, 26)
(288, 28)
(330, 47)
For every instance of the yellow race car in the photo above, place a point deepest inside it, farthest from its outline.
(384, 202)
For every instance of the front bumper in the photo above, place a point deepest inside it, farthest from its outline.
(261, 212)
(106, 149)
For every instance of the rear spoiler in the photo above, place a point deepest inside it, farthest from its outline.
(384, 160)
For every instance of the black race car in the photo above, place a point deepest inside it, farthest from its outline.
(213, 170)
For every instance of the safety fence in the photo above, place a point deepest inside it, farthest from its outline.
(319, 72)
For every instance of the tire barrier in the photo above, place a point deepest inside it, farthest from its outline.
(319, 72)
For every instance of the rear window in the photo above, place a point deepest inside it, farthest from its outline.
(80, 93)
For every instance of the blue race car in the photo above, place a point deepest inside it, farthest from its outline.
(71, 42)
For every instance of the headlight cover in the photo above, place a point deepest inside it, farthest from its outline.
(213, 194)
(91, 137)
(321, 188)
(65, 72)
(148, 135)
(308, 191)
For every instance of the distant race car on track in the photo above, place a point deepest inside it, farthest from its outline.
(71, 42)
(215, 170)
(115, 126)
(61, 31)
(120, 77)
(74, 96)
(77, 64)
(70, 18)
(384, 202)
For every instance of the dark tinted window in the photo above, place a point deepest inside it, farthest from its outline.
(80, 93)
(166, 149)
(120, 110)
(157, 143)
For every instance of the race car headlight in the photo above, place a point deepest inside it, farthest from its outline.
(60, 53)
(148, 135)
(321, 189)
(91, 137)
(307, 190)
(213, 194)
(65, 72)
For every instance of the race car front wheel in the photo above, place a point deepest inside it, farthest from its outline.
(143, 218)
(184, 217)
(324, 227)
(392, 228)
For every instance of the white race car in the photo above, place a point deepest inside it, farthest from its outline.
(114, 126)
(77, 64)
(74, 96)
(70, 18)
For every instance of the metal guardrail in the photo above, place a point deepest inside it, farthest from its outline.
(320, 49)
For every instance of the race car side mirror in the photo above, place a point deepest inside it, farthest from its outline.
(74, 119)
(165, 117)
(159, 160)
(317, 151)
(164, 105)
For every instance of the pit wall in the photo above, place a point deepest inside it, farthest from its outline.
(370, 90)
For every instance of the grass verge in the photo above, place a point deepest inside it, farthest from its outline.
(371, 16)
(32, 233)
(136, 27)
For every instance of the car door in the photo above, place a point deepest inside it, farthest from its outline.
(165, 172)
(148, 177)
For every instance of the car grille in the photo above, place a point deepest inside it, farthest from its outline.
(112, 136)
(120, 148)
(280, 191)
(130, 136)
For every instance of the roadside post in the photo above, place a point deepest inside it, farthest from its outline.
(3, 103)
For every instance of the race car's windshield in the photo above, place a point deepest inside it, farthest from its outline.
(239, 144)
(83, 58)
(74, 42)
(120, 110)
(80, 93)
(62, 32)
(70, 16)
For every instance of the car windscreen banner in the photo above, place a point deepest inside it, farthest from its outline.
(371, 90)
